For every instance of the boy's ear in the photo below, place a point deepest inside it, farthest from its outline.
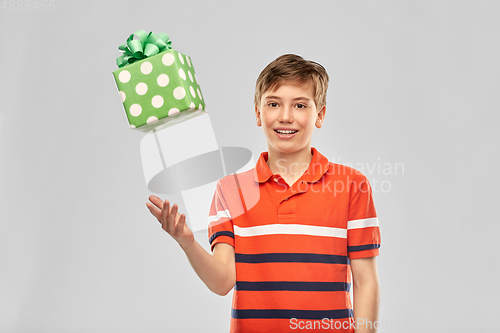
(321, 117)
(257, 116)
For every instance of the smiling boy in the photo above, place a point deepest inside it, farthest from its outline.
(289, 257)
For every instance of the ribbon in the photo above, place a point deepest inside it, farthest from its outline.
(146, 45)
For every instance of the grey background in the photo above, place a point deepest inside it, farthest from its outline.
(412, 82)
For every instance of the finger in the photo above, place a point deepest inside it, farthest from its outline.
(164, 215)
(156, 201)
(172, 217)
(180, 225)
(155, 211)
(153, 198)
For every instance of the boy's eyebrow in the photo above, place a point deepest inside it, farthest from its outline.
(295, 99)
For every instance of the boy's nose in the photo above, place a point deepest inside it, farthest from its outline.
(286, 114)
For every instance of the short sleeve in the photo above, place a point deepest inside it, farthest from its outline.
(363, 232)
(220, 225)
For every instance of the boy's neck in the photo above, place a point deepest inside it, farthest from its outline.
(290, 166)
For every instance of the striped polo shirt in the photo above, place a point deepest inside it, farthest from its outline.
(293, 244)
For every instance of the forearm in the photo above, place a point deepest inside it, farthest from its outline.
(211, 270)
(366, 297)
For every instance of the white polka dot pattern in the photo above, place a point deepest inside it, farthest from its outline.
(162, 80)
(173, 111)
(181, 59)
(152, 119)
(158, 87)
(141, 88)
(182, 74)
(168, 59)
(157, 101)
(146, 68)
(179, 93)
(135, 110)
(124, 76)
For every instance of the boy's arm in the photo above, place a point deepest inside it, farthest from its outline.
(366, 294)
(217, 271)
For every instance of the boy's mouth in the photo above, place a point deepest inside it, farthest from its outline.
(286, 132)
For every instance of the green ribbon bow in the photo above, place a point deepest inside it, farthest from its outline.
(146, 46)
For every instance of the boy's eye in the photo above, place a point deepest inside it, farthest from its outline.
(274, 104)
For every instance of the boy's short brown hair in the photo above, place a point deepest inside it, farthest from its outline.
(291, 67)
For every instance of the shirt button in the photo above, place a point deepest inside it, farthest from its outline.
(276, 180)
(286, 199)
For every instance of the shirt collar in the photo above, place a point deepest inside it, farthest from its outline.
(317, 168)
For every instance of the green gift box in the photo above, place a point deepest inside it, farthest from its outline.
(157, 84)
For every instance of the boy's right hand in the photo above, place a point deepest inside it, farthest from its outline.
(171, 221)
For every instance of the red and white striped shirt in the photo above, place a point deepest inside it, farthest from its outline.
(293, 244)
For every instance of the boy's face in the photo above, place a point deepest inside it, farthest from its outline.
(290, 106)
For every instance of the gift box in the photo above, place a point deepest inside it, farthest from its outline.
(157, 84)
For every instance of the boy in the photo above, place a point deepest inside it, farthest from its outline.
(290, 257)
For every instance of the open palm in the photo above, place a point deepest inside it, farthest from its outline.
(171, 221)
